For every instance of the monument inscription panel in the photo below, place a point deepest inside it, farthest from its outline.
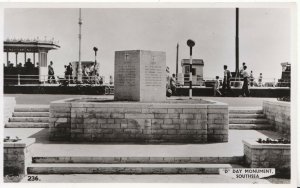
(140, 75)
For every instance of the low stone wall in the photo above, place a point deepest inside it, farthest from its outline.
(268, 156)
(17, 157)
(111, 121)
(8, 108)
(279, 114)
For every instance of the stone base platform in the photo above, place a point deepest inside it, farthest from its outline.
(105, 120)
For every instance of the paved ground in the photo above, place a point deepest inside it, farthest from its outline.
(80, 178)
(43, 147)
(46, 99)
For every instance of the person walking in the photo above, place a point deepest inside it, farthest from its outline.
(69, 73)
(260, 80)
(226, 81)
(51, 77)
(168, 81)
(242, 69)
(251, 79)
(245, 89)
(173, 84)
(216, 87)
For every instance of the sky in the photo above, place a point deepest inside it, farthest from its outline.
(265, 35)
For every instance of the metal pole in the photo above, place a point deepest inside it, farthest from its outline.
(7, 59)
(19, 79)
(16, 58)
(177, 50)
(25, 57)
(79, 73)
(34, 59)
(237, 42)
(191, 43)
(95, 49)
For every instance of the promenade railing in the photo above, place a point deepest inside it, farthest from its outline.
(51, 79)
(100, 80)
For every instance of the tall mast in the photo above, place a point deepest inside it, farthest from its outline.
(177, 48)
(79, 73)
(237, 42)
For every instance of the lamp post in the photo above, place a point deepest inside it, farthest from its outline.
(79, 73)
(95, 50)
(177, 49)
(191, 43)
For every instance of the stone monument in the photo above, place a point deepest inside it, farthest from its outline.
(140, 76)
(140, 112)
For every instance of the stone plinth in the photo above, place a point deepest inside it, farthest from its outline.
(16, 156)
(259, 155)
(140, 75)
(279, 115)
(177, 121)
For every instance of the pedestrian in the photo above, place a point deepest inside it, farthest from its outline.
(173, 84)
(66, 72)
(217, 86)
(69, 72)
(86, 73)
(245, 89)
(251, 78)
(242, 69)
(168, 81)
(260, 80)
(226, 80)
(51, 77)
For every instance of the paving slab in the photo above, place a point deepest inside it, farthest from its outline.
(43, 147)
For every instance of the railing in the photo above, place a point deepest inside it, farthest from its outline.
(48, 79)
(254, 82)
(96, 80)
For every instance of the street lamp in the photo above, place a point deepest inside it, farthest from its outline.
(95, 49)
(191, 44)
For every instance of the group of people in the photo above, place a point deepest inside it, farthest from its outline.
(90, 74)
(248, 79)
(69, 72)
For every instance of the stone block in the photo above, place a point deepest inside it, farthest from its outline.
(168, 126)
(140, 75)
(110, 121)
(139, 116)
(161, 116)
(133, 110)
(117, 115)
(168, 121)
(186, 116)
(88, 121)
(175, 111)
(111, 126)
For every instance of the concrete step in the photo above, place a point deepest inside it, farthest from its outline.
(144, 160)
(246, 116)
(245, 111)
(29, 119)
(250, 126)
(26, 125)
(30, 114)
(77, 168)
(248, 121)
(32, 108)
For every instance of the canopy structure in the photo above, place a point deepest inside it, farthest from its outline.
(41, 47)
